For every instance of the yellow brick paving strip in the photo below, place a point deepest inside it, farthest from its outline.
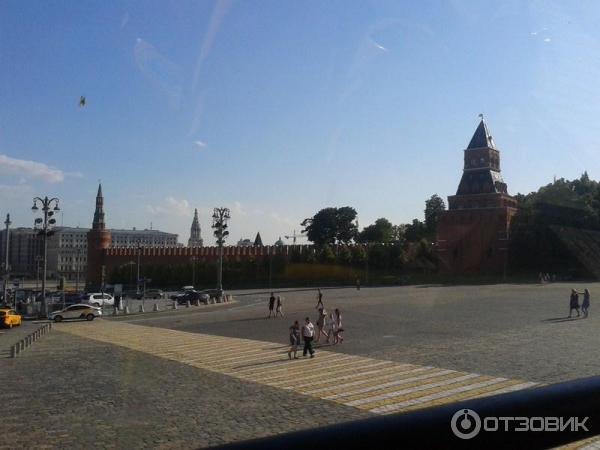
(378, 386)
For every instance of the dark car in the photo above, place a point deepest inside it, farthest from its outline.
(154, 293)
(74, 298)
(189, 296)
(132, 294)
(212, 293)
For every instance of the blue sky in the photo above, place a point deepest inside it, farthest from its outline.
(277, 109)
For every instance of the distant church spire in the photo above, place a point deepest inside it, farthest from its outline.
(98, 223)
(258, 240)
(195, 239)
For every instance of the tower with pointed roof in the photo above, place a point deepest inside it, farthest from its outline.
(195, 239)
(98, 240)
(258, 240)
(473, 235)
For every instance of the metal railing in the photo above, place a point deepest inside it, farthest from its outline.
(430, 428)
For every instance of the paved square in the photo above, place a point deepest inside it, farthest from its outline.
(211, 375)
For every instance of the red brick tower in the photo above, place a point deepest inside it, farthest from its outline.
(98, 239)
(472, 236)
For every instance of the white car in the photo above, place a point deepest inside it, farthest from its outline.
(99, 299)
(79, 311)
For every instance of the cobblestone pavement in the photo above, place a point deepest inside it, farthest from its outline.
(14, 335)
(72, 392)
(213, 375)
(376, 386)
(511, 331)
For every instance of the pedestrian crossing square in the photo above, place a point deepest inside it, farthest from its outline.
(377, 386)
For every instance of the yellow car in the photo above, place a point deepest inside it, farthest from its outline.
(9, 317)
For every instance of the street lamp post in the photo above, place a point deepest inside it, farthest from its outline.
(38, 260)
(77, 268)
(44, 228)
(137, 283)
(220, 218)
(6, 264)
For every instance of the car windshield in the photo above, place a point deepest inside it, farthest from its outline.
(274, 216)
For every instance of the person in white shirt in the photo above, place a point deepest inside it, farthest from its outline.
(332, 332)
(339, 328)
(308, 333)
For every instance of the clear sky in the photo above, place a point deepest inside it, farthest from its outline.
(279, 108)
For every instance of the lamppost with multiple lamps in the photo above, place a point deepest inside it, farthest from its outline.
(6, 262)
(220, 217)
(44, 228)
(137, 283)
(77, 268)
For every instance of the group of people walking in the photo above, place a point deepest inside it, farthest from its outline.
(574, 302)
(279, 309)
(329, 326)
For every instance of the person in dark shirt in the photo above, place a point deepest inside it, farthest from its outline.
(271, 305)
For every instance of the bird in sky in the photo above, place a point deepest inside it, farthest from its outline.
(81, 101)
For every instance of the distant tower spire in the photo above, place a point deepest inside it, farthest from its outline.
(195, 239)
(98, 223)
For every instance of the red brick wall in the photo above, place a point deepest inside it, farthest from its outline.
(156, 256)
(473, 241)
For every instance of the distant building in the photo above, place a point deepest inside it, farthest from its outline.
(144, 238)
(473, 235)
(67, 248)
(279, 242)
(195, 239)
(258, 240)
(245, 243)
(24, 246)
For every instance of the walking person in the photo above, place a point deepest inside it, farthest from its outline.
(308, 333)
(358, 284)
(321, 319)
(294, 339)
(332, 330)
(585, 304)
(319, 299)
(271, 305)
(339, 327)
(574, 302)
(279, 308)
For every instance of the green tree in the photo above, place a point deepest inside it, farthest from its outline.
(344, 255)
(326, 254)
(331, 225)
(537, 242)
(434, 207)
(415, 231)
(381, 231)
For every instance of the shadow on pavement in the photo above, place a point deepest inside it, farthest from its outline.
(561, 319)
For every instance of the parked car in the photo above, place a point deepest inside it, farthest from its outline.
(73, 298)
(154, 293)
(9, 317)
(99, 299)
(213, 293)
(188, 296)
(187, 288)
(132, 294)
(79, 311)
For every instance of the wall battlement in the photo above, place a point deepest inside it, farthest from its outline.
(206, 252)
